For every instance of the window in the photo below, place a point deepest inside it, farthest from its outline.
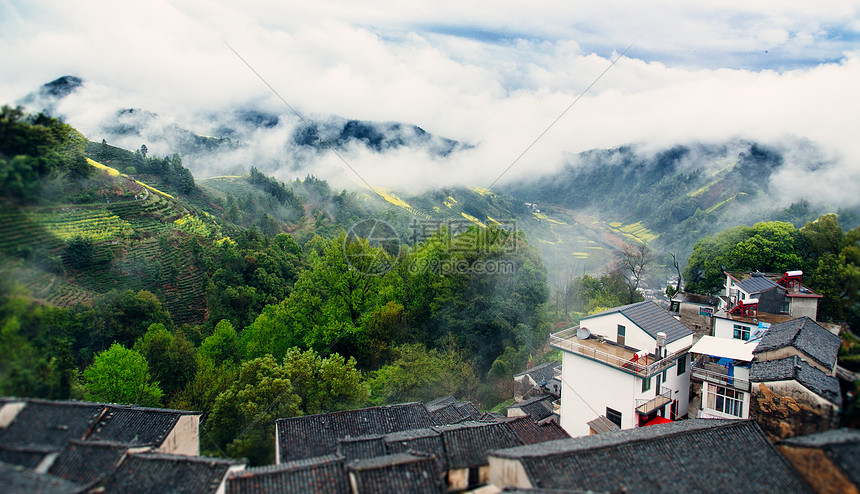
(725, 400)
(614, 416)
(622, 332)
(646, 384)
(682, 365)
(665, 374)
(741, 332)
(786, 306)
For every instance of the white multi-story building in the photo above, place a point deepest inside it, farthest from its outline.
(721, 376)
(629, 364)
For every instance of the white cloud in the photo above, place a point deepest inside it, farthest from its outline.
(760, 71)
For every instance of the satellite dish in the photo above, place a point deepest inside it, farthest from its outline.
(583, 333)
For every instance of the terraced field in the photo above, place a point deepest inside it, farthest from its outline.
(137, 244)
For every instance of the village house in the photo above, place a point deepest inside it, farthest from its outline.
(696, 455)
(540, 408)
(694, 311)
(769, 292)
(629, 364)
(780, 373)
(720, 379)
(97, 447)
(540, 379)
(149, 472)
(459, 448)
(317, 435)
(401, 472)
(54, 423)
(307, 476)
(793, 384)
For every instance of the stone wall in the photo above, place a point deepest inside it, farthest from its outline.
(786, 409)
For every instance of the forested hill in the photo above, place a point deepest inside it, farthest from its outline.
(123, 279)
(681, 194)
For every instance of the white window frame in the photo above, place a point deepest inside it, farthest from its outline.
(725, 400)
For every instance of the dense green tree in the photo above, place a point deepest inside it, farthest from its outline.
(35, 350)
(849, 278)
(172, 359)
(123, 317)
(327, 308)
(202, 391)
(33, 147)
(248, 274)
(222, 345)
(767, 247)
(120, 375)
(419, 374)
(243, 417)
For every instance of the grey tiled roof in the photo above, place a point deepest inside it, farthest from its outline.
(467, 444)
(25, 455)
(651, 318)
(538, 407)
(51, 422)
(137, 425)
(17, 479)
(756, 284)
(425, 440)
(317, 435)
(468, 409)
(602, 424)
(145, 473)
(695, 298)
(492, 416)
(842, 446)
(826, 438)
(448, 414)
(401, 472)
(356, 448)
(697, 455)
(807, 336)
(85, 462)
(448, 410)
(541, 373)
(530, 433)
(793, 368)
(323, 474)
(440, 402)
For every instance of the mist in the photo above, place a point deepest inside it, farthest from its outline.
(494, 80)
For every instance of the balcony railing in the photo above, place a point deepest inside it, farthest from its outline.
(716, 376)
(646, 406)
(616, 356)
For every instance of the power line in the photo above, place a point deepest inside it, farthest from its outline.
(575, 101)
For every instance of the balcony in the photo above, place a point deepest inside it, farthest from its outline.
(644, 407)
(620, 357)
(707, 370)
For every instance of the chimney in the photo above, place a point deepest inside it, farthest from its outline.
(661, 345)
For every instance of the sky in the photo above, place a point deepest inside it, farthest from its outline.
(527, 84)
